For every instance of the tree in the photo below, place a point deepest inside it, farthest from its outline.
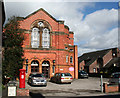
(13, 51)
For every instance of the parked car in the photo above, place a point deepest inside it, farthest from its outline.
(37, 79)
(82, 74)
(114, 78)
(62, 78)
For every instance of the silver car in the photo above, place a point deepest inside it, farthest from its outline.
(115, 78)
(62, 78)
(37, 79)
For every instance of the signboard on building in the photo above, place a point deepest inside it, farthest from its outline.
(71, 69)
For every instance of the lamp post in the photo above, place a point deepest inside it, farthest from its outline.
(53, 66)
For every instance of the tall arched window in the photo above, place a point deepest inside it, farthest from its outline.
(35, 38)
(45, 38)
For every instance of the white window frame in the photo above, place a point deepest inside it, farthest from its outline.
(35, 38)
(66, 58)
(45, 38)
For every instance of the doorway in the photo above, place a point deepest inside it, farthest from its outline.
(34, 66)
(46, 69)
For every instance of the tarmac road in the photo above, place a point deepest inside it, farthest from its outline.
(80, 87)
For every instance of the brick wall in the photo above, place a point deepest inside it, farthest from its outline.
(110, 88)
(92, 67)
(22, 92)
(81, 65)
(60, 37)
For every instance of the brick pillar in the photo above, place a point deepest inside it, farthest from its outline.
(40, 68)
(105, 88)
(75, 62)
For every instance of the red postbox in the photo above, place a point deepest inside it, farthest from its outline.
(22, 78)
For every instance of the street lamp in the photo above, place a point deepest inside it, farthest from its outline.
(53, 66)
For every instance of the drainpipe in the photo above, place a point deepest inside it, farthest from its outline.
(119, 83)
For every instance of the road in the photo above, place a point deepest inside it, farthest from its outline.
(80, 87)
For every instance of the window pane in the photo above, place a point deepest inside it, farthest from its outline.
(67, 59)
(35, 38)
(45, 38)
(71, 59)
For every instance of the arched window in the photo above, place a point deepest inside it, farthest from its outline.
(45, 38)
(35, 38)
(71, 59)
(66, 58)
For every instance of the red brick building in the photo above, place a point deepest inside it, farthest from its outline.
(103, 61)
(48, 45)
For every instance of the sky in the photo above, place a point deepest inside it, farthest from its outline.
(95, 24)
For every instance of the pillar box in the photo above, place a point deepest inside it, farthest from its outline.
(22, 78)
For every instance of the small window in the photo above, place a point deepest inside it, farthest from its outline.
(53, 69)
(71, 49)
(66, 48)
(56, 74)
(26, 68)
(66, 58)
(41, 24)
(71, 59)
(94, 70)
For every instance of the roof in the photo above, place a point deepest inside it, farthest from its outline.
(113, 61)
(92, 56)
(41, 9)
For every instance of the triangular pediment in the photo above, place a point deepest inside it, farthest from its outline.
(41, 9)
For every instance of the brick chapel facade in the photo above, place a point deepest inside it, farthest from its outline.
(48, 45)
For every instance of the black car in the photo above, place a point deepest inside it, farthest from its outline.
(82, 74)
(114, 78)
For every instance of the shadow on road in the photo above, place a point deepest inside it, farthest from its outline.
(34, 95)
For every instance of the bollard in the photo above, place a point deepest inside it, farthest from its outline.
(101, 83)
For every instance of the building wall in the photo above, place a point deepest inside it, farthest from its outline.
(93, 67)
(59, 39)
(107, 57)
(81, 65)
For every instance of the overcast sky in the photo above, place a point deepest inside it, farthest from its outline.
(95, 24)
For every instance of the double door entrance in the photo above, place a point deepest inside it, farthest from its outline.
(45, 67)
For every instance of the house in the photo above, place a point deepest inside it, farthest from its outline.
(48, 46)
(103, 61)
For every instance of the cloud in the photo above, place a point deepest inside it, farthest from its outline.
(97, 30)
